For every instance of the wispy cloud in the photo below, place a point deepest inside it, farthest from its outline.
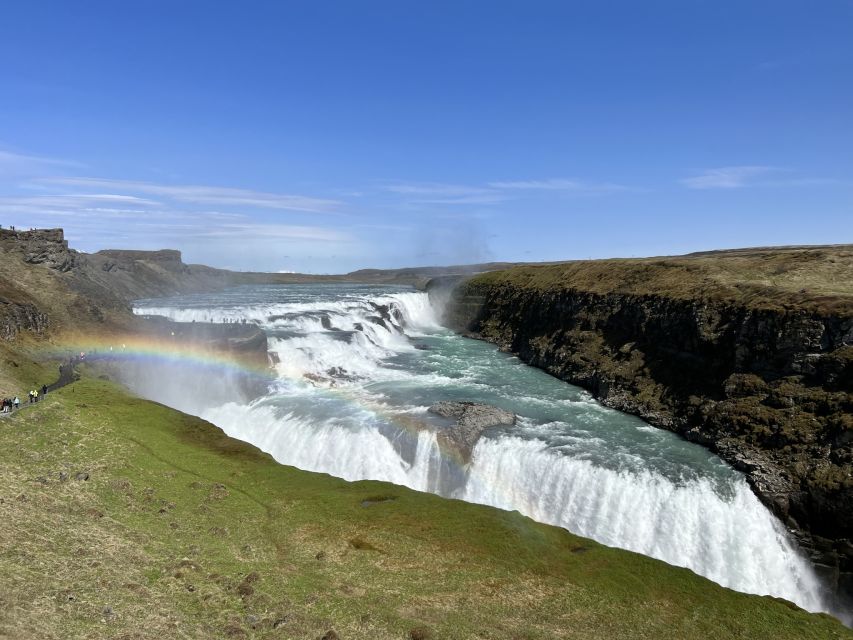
(208, 237)
(27, 164)
(439, 193)
(752, 176)
(729, 177)
(99, 211)
(434, 189)
(211, 223)
(77, 205)
(256, 231)
(108, 197)
(558, 184)
(201, 194)
(494, 192)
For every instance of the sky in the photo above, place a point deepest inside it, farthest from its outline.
(327, 136)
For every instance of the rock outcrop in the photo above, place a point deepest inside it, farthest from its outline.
(767, 387)
(45, 246)
(44, 283)
(16, 317)
(472, 418)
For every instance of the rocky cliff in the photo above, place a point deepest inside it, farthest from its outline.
(18, 316)
(749, 354)
(45, 284)
(20, 310)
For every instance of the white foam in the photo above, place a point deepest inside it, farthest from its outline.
(727, 536)
(734, 541)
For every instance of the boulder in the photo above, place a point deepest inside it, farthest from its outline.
(472, 418)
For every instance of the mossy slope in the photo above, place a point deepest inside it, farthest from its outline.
(180, 531)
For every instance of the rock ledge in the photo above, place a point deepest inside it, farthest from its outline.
(472, 419)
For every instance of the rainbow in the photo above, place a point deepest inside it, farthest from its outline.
(161, 350)
(207, 360)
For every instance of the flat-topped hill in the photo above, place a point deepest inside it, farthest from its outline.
(814, 278)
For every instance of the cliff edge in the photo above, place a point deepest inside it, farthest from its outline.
(747, 352)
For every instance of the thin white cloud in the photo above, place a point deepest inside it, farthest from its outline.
(753, 176)
(729, 177)
(273, 231)
(26, 164)
(493, 192)
(383, 227)
(83, 200)
(439, 193)
(557, 184)
(436, 189)
(99, 223)
(201, 194)
(109, 197)
(481, 199)
(76, 205)
(222, 215)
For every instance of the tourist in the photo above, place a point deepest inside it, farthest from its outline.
(17, 402)
(44, 389)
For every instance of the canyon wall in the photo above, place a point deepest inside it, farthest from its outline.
(766, 387)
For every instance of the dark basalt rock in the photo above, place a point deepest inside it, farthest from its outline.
(20, 316)
(388, 313)
(339, 373)
(47, 247)
(472, 419)
(378, 321)
(770, 390)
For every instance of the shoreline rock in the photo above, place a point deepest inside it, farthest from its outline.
(472, 419)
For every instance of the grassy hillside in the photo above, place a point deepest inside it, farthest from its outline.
(813, 278)
(180, 531)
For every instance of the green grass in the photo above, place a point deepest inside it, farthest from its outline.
(23, 369)
(818, 279)
(183, 532)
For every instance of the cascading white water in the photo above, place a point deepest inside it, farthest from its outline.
(732, 540)
(377, 358)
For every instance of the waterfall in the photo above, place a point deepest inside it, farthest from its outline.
(357, 368)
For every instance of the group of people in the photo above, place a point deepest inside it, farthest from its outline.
(11, 404)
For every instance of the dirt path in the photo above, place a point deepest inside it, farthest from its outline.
(66, 376)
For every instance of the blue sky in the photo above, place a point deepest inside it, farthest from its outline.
(329, 136)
